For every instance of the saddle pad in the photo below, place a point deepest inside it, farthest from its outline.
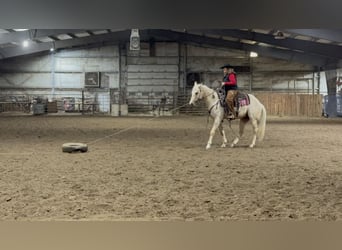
(243, 99)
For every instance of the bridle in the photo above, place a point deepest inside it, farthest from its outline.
(211, 93)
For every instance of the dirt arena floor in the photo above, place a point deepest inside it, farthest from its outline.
(139, 168)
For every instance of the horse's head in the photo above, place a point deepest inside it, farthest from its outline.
(196, 93)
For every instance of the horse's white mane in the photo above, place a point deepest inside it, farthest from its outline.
(202, 84)
(207, 88)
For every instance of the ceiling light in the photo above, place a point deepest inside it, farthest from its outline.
(279, 35)
(25, 43)
(253, 54)
(52, 48)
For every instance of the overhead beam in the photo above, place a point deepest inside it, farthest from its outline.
(327, 50)
(327, 34)
(60, 44)
(55, 38)
(72, 35)
(288, 55)
(90, 32)
(167, 35)
(18, 37)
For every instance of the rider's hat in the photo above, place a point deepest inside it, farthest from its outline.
(228, 66)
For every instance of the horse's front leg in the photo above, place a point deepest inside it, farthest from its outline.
(212, 132)
(223, 136)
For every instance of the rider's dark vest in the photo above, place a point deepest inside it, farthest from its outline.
(229, 87)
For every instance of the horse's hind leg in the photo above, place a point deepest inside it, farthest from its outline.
(223, 136)
(242, 125)
(255, 130)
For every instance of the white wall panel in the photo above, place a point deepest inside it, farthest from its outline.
(198, 51)
(166, 49)
(155, 75)
(27, 64)
(152, 60)
(146, 89)
(86, 64)
(25, 80)
(106, 51)
(152, 68)
(150, 82)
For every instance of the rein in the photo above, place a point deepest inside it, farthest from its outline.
(209, 111)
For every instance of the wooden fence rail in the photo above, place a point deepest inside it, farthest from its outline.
(277, 104)
(282, 104)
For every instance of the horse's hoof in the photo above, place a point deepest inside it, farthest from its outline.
(251, 146)
(232, 145)
(207, 147)
(223, 145)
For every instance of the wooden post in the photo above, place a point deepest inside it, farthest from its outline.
(82, 101)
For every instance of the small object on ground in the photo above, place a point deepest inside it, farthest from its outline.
(74, 147)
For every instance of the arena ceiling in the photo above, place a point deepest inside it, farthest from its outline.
(317, 47)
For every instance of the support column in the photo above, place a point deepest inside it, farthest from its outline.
(184, 68)
(53, 69)
(331, 77)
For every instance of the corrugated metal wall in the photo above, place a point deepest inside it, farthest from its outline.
(62, 75)
(146, 79)
(152, 76)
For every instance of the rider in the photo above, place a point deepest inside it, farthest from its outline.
(229, 84)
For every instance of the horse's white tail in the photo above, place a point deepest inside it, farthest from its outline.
(262, 124)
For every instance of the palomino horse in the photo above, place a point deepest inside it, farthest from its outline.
(254, 112)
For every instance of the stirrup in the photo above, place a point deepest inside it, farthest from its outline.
(231, 117)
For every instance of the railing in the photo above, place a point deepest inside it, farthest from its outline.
(288, 104)
(150, 105)
(75, 102)
(198, 109)
(278, 104)
(15, 107)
